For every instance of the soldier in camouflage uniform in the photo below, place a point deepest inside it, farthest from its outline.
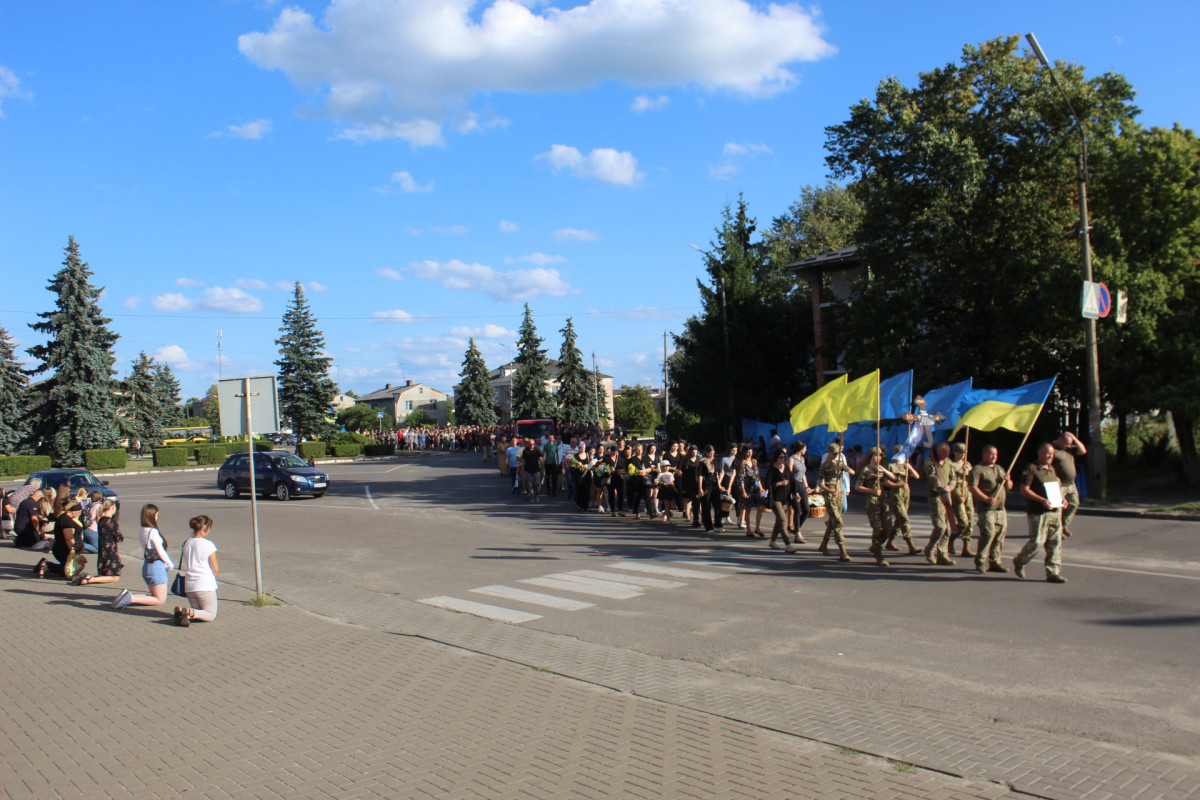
(988, 484)
(960, 499)
(897, 496)
(939, 477)
(870, 483)
(830, 483)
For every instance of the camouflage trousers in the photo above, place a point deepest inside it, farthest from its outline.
(1045, 530)
(964, 516)
(833, 518)
(993, 524)
(939, 538)
(876, 515)
(895, 520)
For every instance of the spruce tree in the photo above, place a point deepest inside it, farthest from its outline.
(574, 395)
(599, 399)
(166, 386)
(80, 410)
(141, 405)
(530, 397)
(473, 401)
(305, 389)
(14, 422)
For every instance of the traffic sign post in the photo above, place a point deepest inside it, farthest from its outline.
(1096, 302)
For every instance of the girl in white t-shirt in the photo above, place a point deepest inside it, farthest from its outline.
(198, 563)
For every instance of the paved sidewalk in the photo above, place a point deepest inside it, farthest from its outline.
(278, 702)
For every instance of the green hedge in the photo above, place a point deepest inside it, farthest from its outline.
(104, 459)
(23, 465)
(347, 450)
(308, 450)
(211, 455)
(170, 456)
(379, 450)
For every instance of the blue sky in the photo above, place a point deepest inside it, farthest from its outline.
(425, 168)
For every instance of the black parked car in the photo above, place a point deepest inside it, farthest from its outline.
(275, 473)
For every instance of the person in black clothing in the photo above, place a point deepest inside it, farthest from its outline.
(639, 483)
(778, 489)
(27, 523)
(708, 490)
(532, 459)
(689, 470)
(620, 478)
(68, 541)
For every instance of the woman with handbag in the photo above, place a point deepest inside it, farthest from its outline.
(155, 566)
(198, 565)
(68, 544)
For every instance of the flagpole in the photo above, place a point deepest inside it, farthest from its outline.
(878, 411)
(1017, 454)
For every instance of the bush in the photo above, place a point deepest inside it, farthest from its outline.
(170, 456)
(104, 459)
(307, 450)
(23, 465)
(379, 450)
(347, 437)
(206, 456)
(347, 450)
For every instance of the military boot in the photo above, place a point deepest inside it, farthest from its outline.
(824, 548)
(843, 555)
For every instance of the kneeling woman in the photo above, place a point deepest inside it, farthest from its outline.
(198, 563)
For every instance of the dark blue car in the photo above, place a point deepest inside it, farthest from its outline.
(75, 478)
(276, 473)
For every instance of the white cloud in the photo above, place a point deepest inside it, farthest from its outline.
(405, 68)
(509, 227)
(173, 301)
(232, 299)
(133, 301)
(10, 86)
(177, 357)
(285, 286)
(251, 283)
(603, 164)
(408, 185)
(251, 130)
(215, 298)
(643, 103)
(515, 286)
(313, 286)
(353, 349)
(576, 235)
(395, 315)
(388, 272)
(541, 259)
(188, 283)
(734, 153)
(488, 331)
(451, 230)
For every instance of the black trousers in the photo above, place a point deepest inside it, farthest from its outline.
(799, 502)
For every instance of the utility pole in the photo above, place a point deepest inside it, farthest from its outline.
(666, 383)
(731, 410)
(1097, 466)
(218, 354)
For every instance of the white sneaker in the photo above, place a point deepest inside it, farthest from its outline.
(123, 599)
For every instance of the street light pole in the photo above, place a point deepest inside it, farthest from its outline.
(730, 407)
(1097, 465)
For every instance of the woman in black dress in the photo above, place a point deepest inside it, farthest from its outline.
(68, 540)
(108, 561)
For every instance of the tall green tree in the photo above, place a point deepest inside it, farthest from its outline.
(599, 399)
(79, 412)
(970, 227)
(14, 400)
(305, 388)
(361, 417)
(141, 404)
(474, 399)
(633, 407)
(166, 386)
(1148, 219)
(530, 395)
(212, 409)
(573, 395)
(824, 219)
(766, 324)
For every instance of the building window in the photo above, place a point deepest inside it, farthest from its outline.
(407, 406)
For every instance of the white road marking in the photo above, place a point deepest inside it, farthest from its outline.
(534, 598)
(402, 466)
(674, 572)
(613, 591)
(480, 609)
(601, 582)
(636, 580)
(1131, 571)
(370, 499)
(704, 562)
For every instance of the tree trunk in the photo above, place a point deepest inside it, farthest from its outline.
(1122, 438)
(1185, 433)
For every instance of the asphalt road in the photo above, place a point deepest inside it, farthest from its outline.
(1112, 655)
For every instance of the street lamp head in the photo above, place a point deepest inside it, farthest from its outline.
(1037, 49)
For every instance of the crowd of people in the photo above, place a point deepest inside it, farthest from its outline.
(70, 526)
(608, 474)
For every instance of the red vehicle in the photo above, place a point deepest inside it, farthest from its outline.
(534, 428)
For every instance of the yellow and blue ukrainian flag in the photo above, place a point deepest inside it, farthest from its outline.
(1013, 409)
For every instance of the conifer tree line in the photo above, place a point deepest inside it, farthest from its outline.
(77, 402)
(578, 396)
